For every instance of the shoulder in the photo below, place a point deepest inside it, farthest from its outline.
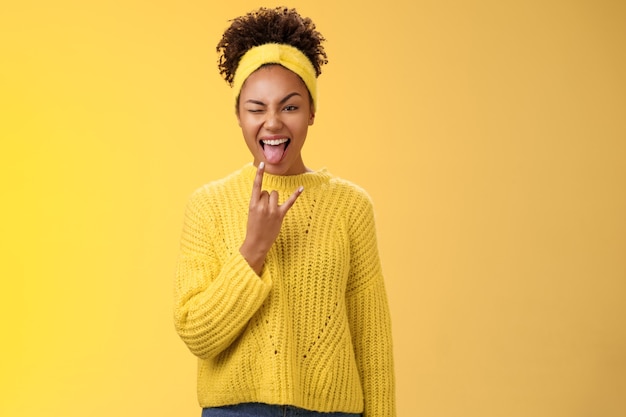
(352, 200)
(351, 192)
(357, 209)
(216, 192)
(229, 183)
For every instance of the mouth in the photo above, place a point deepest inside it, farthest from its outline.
(274, 149)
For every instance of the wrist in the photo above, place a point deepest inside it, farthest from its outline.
(254, 257)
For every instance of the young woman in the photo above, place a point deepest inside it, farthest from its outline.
(279, 290)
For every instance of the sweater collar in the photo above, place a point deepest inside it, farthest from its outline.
(288, 182)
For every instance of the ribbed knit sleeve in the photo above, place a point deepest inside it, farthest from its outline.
(214, 296)
(368, 313)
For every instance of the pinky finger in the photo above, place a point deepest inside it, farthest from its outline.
(292, 199)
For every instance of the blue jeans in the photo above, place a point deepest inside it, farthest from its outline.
(266, 410)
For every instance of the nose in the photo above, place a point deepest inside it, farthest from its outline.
(273, 120)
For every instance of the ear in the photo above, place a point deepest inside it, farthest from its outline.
(311, 118)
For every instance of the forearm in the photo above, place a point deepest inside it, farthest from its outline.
(210, 312)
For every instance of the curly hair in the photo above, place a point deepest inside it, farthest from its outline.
(264, 25)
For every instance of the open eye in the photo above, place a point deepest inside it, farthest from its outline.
(291, 107)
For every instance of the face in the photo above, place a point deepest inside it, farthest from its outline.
(274, 114)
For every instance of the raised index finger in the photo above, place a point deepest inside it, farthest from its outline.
(258, 182)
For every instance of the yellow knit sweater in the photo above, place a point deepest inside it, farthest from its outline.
(314, 330)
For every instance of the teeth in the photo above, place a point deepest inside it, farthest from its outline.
(274, 142)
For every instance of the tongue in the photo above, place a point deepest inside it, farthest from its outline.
(273, 154)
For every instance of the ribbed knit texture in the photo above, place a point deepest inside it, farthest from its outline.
(314, 330)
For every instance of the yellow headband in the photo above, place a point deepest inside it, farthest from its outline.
(274, 53)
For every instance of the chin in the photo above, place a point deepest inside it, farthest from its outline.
(275, 169)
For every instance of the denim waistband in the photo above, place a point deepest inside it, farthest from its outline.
(267, 410)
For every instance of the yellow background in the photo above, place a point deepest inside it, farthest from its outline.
(490, 134)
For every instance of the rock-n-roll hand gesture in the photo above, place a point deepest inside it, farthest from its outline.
(265, 217)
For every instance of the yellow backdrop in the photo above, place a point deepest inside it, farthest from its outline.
(490, 134)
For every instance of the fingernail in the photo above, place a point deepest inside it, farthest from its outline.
(262, 165)
(300, 189)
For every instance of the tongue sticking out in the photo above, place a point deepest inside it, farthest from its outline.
(274, 153)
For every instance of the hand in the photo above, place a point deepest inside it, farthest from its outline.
(265, 218)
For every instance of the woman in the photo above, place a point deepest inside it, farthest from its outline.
(279, 290)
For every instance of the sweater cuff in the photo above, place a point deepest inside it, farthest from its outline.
(242, 279)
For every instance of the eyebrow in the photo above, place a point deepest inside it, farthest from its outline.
(287, 97)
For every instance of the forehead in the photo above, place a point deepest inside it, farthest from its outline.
(273, 81)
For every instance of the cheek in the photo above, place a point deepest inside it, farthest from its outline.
(304, 125)
(245, 124)
(249, 130)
